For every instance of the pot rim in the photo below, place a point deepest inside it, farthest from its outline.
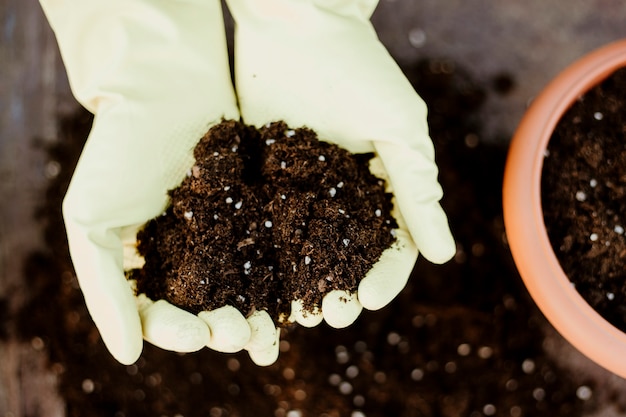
(530, 246)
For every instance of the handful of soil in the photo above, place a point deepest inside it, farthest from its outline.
(265, 217)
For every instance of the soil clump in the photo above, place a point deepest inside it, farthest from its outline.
(263, 218)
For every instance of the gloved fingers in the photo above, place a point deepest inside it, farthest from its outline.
(268, 353)
(262, 331)
(230, 331)
(97, 258)
(340, 308)
(171, 328)
(413, 177)
(303, 317)
(114, 314)
(389, 274)
(267, 356)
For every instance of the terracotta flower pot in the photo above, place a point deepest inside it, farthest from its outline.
(532, 251)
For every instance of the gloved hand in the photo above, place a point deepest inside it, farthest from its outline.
(319, 63)
(155, 74)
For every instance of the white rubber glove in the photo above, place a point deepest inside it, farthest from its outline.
(155, 73)
(319, 63)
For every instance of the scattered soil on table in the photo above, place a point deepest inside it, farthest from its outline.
(584, 196)
(462, 339)
(265, 217)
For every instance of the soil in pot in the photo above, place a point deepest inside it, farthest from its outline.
(584, 196)
(462, 339)
(265, 217)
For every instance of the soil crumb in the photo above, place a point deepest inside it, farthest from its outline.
(265, 217)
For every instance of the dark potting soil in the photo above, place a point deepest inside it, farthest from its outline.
(265, 217)
(462, 339)
(584, 196)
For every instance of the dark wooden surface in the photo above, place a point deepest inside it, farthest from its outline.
(531, 41)
(33, 90)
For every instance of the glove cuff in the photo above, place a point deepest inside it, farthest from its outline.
(138, 49)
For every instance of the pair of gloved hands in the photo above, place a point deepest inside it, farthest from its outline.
(155, 73)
